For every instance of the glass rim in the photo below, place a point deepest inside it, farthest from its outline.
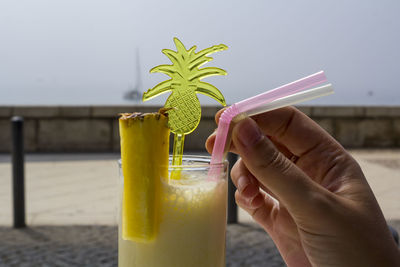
(200, 162)
(203, 162)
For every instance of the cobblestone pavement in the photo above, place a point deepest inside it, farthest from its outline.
(247, 245)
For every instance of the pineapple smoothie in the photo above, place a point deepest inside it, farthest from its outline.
(170, 215)
(172, 211)
(191, 229)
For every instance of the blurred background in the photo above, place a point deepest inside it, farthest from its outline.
(67, 68)
(100, 51)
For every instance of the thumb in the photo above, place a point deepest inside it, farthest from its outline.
(271, 168)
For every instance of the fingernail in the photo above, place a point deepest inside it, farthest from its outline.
(243, 182)
(249, 133)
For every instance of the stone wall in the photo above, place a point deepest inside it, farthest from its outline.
(95, 128)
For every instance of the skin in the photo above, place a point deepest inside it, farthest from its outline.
(307, 192)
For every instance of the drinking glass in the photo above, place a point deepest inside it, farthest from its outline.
(192, 219)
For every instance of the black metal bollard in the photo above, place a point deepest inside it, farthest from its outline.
(18, 171)
(232, 207)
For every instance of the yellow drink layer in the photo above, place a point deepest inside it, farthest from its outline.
(144, 156)
(191, 230)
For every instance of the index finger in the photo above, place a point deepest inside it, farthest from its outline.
(317, 152)
(315, 149)
(294, 129)
(290, 127)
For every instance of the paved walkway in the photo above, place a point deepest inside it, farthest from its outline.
(65, 189)
(71, 211)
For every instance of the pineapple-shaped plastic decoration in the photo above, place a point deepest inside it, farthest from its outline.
(184, 107)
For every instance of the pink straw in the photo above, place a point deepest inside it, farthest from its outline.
(255, 102)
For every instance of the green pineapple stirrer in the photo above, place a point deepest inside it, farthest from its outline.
(185, 111)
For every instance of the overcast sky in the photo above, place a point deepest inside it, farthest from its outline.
(93, 51)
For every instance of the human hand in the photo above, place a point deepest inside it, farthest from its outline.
(307, 192)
